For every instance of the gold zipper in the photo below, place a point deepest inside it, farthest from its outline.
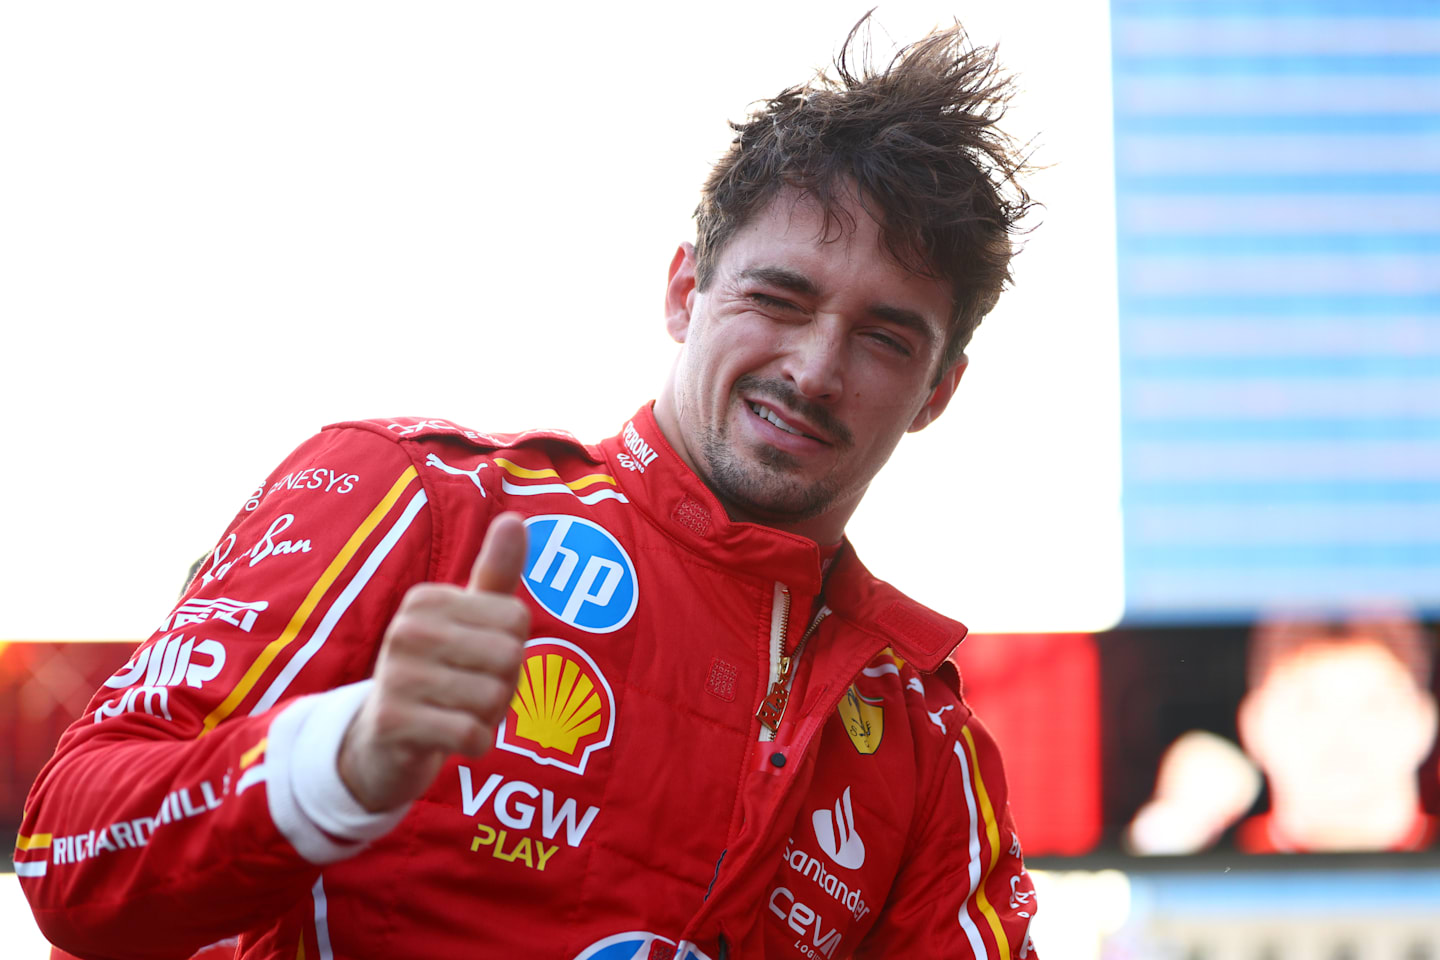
(772, 708)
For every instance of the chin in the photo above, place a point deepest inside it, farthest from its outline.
(761, 481)
(759, 491)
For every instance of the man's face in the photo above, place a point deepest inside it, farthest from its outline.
(1291, 724)
(804, 363)
(1340, 728)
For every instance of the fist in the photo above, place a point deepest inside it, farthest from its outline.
(445, 677)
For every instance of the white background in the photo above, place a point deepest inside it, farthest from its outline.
(224, 226)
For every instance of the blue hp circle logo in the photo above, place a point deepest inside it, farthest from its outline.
(641, 945)
(578, 572)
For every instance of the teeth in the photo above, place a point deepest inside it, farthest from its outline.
(769, 414)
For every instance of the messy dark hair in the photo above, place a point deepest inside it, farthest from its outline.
(919, 141)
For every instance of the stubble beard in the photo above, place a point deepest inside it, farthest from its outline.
(761, 486)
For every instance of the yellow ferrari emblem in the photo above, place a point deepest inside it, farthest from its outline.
(864, 720)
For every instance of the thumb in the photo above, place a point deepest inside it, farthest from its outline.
(502, 556)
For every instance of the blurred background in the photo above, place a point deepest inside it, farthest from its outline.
(1188, 490)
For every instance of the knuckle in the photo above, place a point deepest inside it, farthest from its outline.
(494, 698)
(388, 716)
(514, 617)
(402, 628)
(416, 596)
(398, 681)
(411, 681)
(415, 634)
(409, 629)
(509, 652)
(425, 595)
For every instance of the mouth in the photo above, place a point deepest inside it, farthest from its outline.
(767, 414)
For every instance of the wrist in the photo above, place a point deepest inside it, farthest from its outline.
(311, 801)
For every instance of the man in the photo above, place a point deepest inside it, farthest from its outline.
(1340, 779)
(701, 729)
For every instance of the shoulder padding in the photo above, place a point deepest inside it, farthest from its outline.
(419, 429)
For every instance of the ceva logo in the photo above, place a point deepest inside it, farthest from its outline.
(641, 945)
(563, 709)
(836, 834)
(579, 573)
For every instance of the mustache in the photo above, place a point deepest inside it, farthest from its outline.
(786, 395)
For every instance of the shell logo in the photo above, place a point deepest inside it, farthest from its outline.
(563, 709)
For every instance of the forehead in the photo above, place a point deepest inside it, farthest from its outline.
(1353, 662)
(842, 252)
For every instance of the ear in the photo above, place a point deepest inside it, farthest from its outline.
(940, 397)
(680, 292)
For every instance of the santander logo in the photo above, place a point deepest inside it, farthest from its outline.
(836, 834)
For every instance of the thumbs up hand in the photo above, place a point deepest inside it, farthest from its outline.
(447, 671)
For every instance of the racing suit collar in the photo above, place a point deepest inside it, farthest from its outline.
(658, 481)
(676, 500)
(916, 633)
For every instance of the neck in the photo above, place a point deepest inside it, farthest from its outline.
(827, 529)
(1326, 821)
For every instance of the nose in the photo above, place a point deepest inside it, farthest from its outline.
(815, 360)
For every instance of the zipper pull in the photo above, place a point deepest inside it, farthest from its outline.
(772, 708)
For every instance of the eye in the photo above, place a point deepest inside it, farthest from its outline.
(775, 303)
(889, 342)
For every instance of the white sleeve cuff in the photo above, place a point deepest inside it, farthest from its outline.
(308, 801)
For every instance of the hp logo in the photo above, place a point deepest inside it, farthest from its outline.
(579, 573)
(641, 945)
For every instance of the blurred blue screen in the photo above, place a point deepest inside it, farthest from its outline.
(1278, 200)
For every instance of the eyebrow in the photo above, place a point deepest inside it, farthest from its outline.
(908, 319)
(781, 277)
(796, 282)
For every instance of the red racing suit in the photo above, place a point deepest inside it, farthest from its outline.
(633, 806)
